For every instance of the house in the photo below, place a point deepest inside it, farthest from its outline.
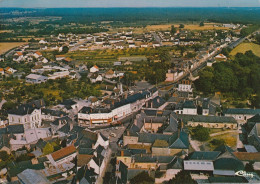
(110, 74)
(185, 86)
(10, 70)
(2, 72)
(60, 57)
(201, 161)
(30, 176)
(30, 136)
(186, 107)
(241, 114)
(95, 77)
(37, 54)
(51, 115)
(26, 115)
(209, 121)
(63, 155)
(35, 79)
(94, 69)
(221, 57)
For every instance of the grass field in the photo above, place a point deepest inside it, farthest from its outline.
(167, 27)
(187, 26)
(229, 138)
(5, 46)
(243, 47)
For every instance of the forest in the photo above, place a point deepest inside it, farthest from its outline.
(238, 78)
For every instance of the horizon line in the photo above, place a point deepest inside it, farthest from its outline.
(139, 7)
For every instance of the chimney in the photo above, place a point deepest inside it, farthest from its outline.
(122, 153)
(146, 104)
(60, 123)
(152, 104)
(113, 102)
(127, 133)
(125, 95)
(158, 100)
(135, 122)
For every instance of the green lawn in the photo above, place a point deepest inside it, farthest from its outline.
(243, 47)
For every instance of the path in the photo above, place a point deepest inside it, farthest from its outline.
(195, 144)
(220, 133)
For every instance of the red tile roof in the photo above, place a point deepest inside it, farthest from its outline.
(38, 53)
(64, 152)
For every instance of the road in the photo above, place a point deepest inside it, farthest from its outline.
(157, 38)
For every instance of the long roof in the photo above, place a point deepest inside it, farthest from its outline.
(206, 119)
(64, 152)
(242, 111)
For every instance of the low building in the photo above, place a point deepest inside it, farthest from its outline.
(63, 155)
(241, 114)
(35, 79)
(209, 121)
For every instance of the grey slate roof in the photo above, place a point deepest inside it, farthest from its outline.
(150, 138)
(22, 110)
(15, 129)
(207, 119)
(204, 155)
(228, 164)
(173, 124)
(179, 141)
(241, 111)
(255, 119)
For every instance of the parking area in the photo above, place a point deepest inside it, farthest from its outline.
(114, 133)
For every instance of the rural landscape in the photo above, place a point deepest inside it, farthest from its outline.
(129, 95)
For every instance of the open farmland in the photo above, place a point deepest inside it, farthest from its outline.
(5, 46)
(243, 47)
(187, 26)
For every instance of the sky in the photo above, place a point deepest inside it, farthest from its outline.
(128, 3)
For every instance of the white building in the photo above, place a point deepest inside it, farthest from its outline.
(28, 116)
(35, 79)
(185, 86)
(94, 69)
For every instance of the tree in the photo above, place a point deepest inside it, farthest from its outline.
(173, 30)
(142, 178)
(48, 149)
(181, 26)
(4, 155)
(201, 24)
(249, 167)
(65, 49)
(205, 82)
(182, 177)
(200, 133)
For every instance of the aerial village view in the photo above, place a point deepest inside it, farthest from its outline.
(129, 92)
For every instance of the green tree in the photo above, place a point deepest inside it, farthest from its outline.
(181, 26)
(249, 167)
(48, 149)
(182, 177)
(65, 49)
(201, 24)
(142, 178)
(173, 30)
(200, 133)
(205, 82)
(4, 155)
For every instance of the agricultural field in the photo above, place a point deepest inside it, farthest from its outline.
(5, 46)
(187, 26)
(243, 47)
